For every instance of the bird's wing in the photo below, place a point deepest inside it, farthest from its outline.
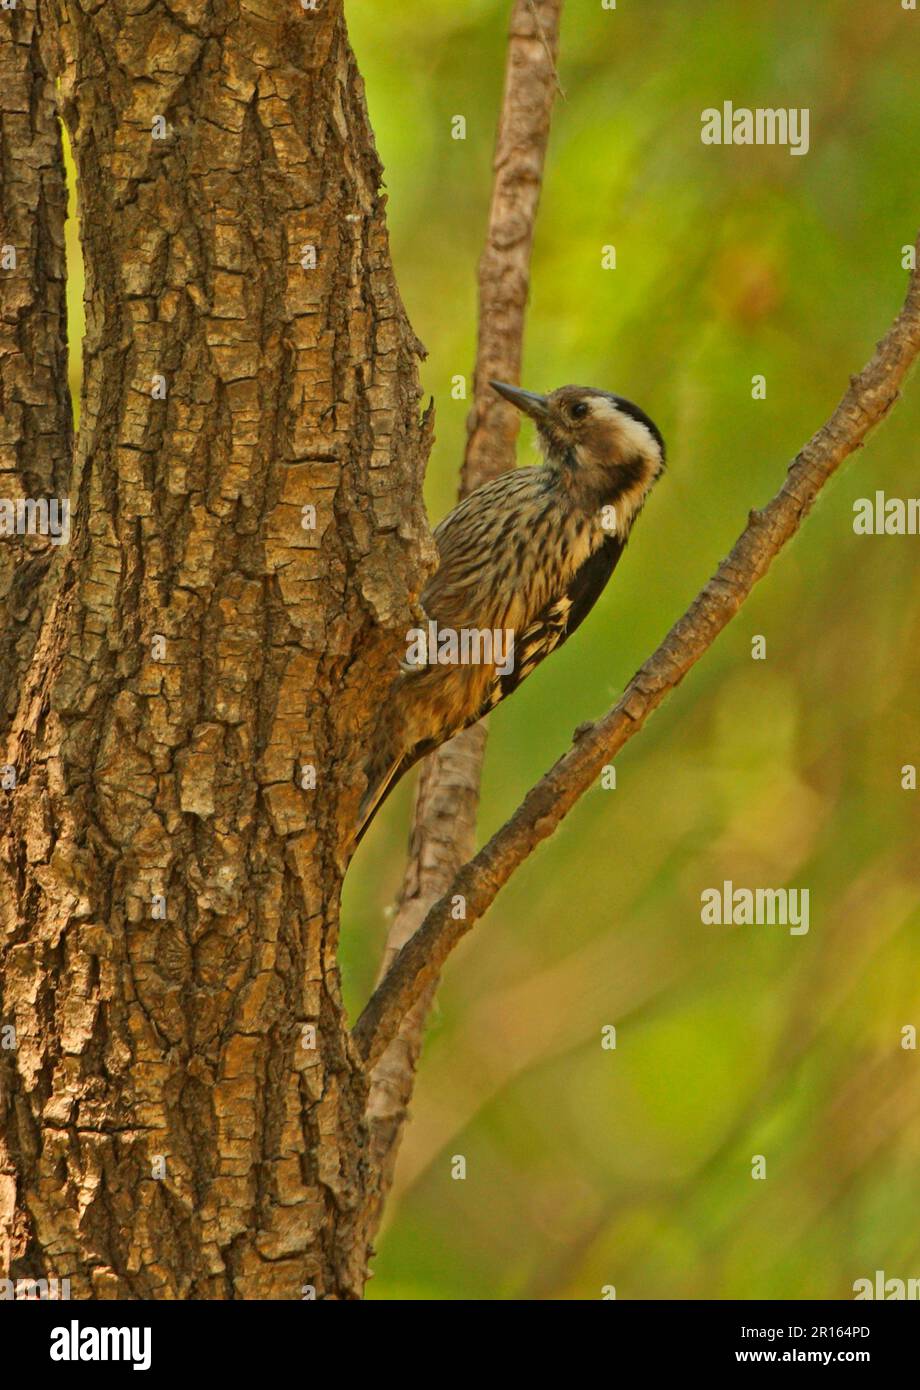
(556, 622)
(454, 597)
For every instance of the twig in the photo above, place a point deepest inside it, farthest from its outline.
(447, 800)
(869, 397)
(550, 47)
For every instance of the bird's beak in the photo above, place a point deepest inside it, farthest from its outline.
(533, 405)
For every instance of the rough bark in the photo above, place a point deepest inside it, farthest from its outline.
(167, 1132)
(35, 414)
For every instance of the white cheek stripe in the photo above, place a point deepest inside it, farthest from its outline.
(636, 438)
(634, 434)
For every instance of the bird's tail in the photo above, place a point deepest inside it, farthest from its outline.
(389, 761)
(383, 770)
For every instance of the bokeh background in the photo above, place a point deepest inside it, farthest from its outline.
(632, 1167)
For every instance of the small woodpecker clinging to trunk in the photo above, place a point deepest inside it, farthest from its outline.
(526, 555)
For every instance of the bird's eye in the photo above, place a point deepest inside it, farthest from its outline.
(578, 411)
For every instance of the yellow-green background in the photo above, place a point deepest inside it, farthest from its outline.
(632, 1167)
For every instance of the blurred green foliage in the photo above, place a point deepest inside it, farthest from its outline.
(632, 1167)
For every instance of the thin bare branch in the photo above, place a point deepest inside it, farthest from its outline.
(447, 799)
(868, 399)
(504, 267)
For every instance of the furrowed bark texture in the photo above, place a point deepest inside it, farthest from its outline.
(447, 799)
(169, 894)
(35, 413)
(870, 396)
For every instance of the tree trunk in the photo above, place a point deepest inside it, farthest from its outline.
(173, 1126)
(35, 414)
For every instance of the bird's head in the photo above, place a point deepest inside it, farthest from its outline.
(606, 448)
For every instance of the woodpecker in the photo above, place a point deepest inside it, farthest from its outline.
(524, 558)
